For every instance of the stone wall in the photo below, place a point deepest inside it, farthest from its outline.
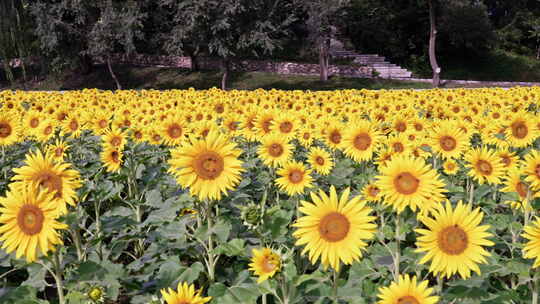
(209, 63)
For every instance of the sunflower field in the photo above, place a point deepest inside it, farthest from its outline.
(271, 197)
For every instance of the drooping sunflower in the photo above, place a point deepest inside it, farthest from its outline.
(407, 181)
(531, 250)
(275, 150)
(484, 166)
(334, 229)
(294, 178)
(360, 140)
(454, 240)
(185, 294)
(208, 167)
(111, 157)
(9, 129)
(522, 130)
(531, 165)
(320, 160)
(57, 177)
(28, 222)
(264, 263)
(407, 291)
(448, 140)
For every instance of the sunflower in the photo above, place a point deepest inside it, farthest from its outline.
(275, 150)
(398, 143)
(231, 124)
(484, 166)
(115, 137)
(453, 240)
(450, 167)
(72, 125)
(185, 294)
(247, 124)
(448, 140)
(407, 181)
(172, 130)
(58, 150)
(45, 130)
(531, 165)
(263, 123)
(407, 291)
(32, 120)
(521, 131)
(305, 136)
(28, 217)
(333, 135)
(360, 140)
(320, 160)
(531, 250)
(294, 178)
(99, 121)
(264, 263)
(372, 193)
(508, 159)
(57, 177)
(514, 184)
(334, 229)
(9, 129)
(208, 167)
(385, 155)
(112, 158)
(285, 125)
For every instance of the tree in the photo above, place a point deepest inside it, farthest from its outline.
(76, 32)
(227, 28)
(432, 40)
(321, 21)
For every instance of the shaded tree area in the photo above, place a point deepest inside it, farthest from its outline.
(71, 34)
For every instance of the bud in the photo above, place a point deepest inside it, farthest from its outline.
(251, 215)
(96, 294)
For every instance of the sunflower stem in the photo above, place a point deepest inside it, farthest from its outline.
(535, 284)
(264, 299)
(58, 277)
(471, 192)
(335, 277)
(397, 253)
(211, 262)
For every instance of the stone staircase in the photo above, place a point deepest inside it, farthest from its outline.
(378, 63)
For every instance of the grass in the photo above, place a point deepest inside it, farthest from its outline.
(496, 65)
(131, 77)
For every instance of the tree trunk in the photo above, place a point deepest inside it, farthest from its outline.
(225, 70)
(86, 64)
(118, 86)
(323, 60)
(195, 63)
(432, 39)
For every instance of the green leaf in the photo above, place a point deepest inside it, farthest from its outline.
(234, 247)
(36, 276)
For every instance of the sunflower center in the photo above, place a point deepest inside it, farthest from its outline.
(52, 182)
(58, 151)
(48, 130)
(373, 191)
(205, 132)
(5, 130)
(174, 131)
(450, 166)
(30, 219)
(285, 127)
(34, 122)
(418, 127)
(484, 167)
(362, 141)
(401, 126)
(138, 134)
(102, 124)
(506, 161)
(157, 137)
(448, 143)
(335, 137)
(296, 176)
(521, 189)
(406, 183)
(73, 125)
(61, 116)
(407, 300)
(232, 126)
(115, 141)
(537, 170)
(306, 136)
(519, 129)
(319, 160)
(453, 240)
(398, 147)
(208, 165)
(275, 150)
(115, 156)
(268, 265)
(266, 125)
(334, 227)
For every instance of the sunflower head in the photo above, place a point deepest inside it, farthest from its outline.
(264, 263)
(185, 294)
(407, 291)
(334, 228)
(294, 178)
